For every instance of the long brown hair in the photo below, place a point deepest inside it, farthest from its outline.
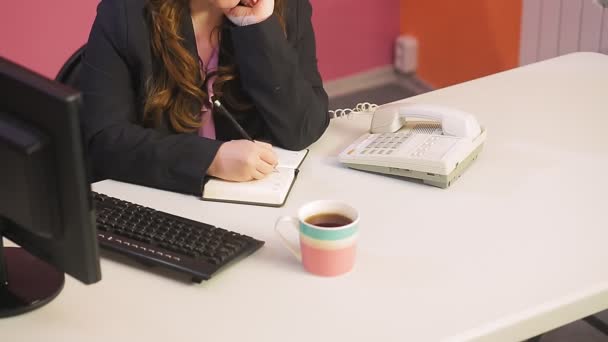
(176, 85)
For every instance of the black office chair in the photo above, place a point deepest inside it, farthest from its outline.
(597, 324)
(69, 72)
(591, 320)
(68, 75)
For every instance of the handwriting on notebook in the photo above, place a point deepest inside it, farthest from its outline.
(271, 190)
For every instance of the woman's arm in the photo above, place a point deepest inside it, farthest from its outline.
(283, 80)
(119, 148)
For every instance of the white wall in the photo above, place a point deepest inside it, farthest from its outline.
(555, 27)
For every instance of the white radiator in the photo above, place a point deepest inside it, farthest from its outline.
(552, 28)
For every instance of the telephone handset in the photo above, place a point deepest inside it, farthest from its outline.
(454, 122)
(435, 151)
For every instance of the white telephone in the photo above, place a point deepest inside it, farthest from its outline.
(436, 152)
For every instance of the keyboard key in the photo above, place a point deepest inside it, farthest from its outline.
(146, 233)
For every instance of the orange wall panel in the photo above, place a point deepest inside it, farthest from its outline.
(462, 40)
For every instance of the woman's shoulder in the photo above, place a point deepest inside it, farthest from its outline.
(121, 16)
(297, 11)
(125, 3)
(125, 25)
(298, 14)
(298, 5)
(121, 8)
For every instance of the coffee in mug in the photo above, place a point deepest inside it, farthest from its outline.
(328, 232)
(328, 220)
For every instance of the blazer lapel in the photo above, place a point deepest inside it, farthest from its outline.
(189, 42)
(187, 31)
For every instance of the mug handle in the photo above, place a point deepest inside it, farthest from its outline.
(294, 223)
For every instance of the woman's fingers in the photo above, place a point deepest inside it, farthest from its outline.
(250, 12)
(264, 167)
(263, 144)
(249, 3)
(257, 174)
(268, 156)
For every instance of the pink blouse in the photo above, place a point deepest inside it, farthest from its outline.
(207, 129)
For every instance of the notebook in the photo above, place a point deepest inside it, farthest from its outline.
(271, 191)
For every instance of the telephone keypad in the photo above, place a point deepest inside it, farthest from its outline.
(383, 144)
(388, 141)
(434, 148)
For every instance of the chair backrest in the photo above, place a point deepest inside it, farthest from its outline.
(68, 75)
(69, 72)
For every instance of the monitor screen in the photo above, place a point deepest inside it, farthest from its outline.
(45, 203)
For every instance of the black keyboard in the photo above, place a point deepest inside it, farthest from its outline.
(157, 238)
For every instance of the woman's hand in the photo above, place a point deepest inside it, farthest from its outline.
(249, 12)
(243, 160)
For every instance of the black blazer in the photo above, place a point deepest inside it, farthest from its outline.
(278, 74)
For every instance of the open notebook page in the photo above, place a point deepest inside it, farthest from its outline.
(289, 159)
(271, 190)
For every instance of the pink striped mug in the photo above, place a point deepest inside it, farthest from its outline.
(328, 236)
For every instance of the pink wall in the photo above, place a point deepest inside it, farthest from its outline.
(42, 34)
(350, 39)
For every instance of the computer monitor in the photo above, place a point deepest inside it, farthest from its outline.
(45, 205)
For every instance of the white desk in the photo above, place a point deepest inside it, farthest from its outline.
(517, 246)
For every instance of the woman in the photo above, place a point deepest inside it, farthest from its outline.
(150, 70)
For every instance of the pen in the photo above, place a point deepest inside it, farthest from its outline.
(227, 114)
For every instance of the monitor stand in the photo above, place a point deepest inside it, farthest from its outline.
(26, 282)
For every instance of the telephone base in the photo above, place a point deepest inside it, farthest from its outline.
(440, 181)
